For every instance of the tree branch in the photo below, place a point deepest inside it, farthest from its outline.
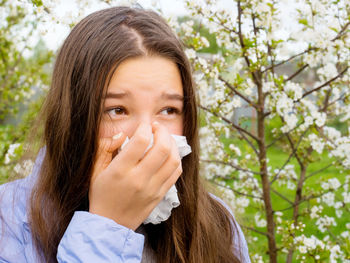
(325, 107)
(289, 59)
(298, 198)
(341, 31)
(281, 136)
(324, 84)
(297, 72)
(326, 99)
(241, 41)
(230, 164)
(294, 150)
(313, 196)
(318, 171)
(218, 22)
(235, 191)
(254, 230)
(282, 196)
(237, 127)
(234, 89)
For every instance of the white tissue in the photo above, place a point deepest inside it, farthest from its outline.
(163, 210)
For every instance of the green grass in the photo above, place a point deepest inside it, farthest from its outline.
(277, 158)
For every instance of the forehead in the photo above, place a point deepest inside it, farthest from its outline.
(147, 74)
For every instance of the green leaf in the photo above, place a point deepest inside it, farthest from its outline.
(304, 22)
(37, 3)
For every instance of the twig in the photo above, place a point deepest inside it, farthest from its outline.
(281, 136)
(313, 196)
(297, 72)
(241, 41)
(237, 127)
(282, 196)
(235, 191)
(341, 31)
(254, 230)
(232, 165)
(318, 171)
(326, 100)
(324, 84)
(294, 150)
(234, 89)
(289, 59)
(324, 109)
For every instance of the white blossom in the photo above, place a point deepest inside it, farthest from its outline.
(190, 53)
(334, 183)
(316, 211)
(328, 71)
(328, 198)
(294, 89)
(236, 102)
(335, 253)
(291, 122)
(346, 196)
(260, 222)
(324, 222)
(332, 133)
(316, 143)
(11, 152)
(235, 149)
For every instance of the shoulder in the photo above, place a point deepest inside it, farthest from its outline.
(15, 195)
(15, 237)
(239, 242)
(12, 220)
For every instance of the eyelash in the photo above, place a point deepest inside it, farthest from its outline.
(174, 110)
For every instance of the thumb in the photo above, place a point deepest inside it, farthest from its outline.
(114, 143)
(107, 148)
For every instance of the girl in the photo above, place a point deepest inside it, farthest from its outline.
(121, 72)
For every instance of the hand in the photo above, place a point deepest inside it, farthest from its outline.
(129, 186)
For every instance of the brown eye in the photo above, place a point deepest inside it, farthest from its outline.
(170, 110)
(116, 111)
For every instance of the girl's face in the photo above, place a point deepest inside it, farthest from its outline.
(143, 89)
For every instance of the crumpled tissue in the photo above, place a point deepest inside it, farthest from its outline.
(163, 210)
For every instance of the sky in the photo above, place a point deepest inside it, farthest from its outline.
(56, 33)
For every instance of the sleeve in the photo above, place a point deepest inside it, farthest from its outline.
(16, 244)
(93, 238)
(12, 238)
(240, 244)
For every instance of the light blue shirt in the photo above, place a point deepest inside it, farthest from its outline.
(88, 237)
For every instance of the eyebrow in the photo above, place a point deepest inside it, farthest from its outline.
(164, 95)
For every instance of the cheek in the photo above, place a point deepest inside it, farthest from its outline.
(175, 128)
(108, 129)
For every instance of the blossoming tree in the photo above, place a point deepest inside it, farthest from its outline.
(274, 139)
(22, 71)
(299, 203)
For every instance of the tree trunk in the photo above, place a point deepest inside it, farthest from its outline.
(298, 197)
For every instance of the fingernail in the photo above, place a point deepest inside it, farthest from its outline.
(117, 136)
(156, 123)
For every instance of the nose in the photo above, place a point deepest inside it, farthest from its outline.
(133, 124)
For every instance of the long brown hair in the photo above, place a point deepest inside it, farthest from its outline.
(200, 229)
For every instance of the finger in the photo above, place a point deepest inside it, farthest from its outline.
(106, 148)
(159, 152)
(136, 147)
(171, 181)
(170, 165)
